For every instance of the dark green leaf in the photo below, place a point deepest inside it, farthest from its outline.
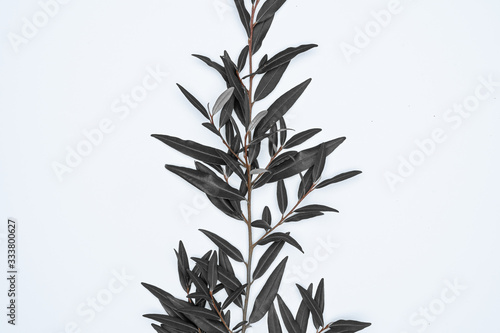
(268, 292)
(282, 196)
(233, 164)
(244, 15)
(190, 148)
(319, 163)
(301, 137)
(319, 297)
(280, 236)
(212, 272)
(259, 33)
(347, 326)
(242, 59)
(194, 101)
(263, 60)
(199, 312)
(233, 296)
(261, 224)
(338, 178)
(267, 259)
(269, 82)
(268, 10)
(228, 279)
(273, 322)
(183, 266)
(283, 132)
(174, 323)
(214, 65)
(211, 185)
(199, 283)
(266, 215)
(283, 57)
(290, 323)
(281, 106)
(212, 129)
(316, 312)
(303, 216)
(227, 247)
(315, 208)
(303, 312)
(302, 161)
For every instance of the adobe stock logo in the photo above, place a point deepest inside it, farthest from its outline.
(454, 118)
(31, 26)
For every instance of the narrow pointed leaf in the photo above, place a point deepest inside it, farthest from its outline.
(283, 57)
(266, 215)
(273, 322)
(199, 283)
(301, 137)
(233, 164)
(190, 148)
(244, 15)
(258, 171)
(194, 101)
(303, 312)
(319, 163)
(261, 224)
(338, 178)
(302, 161)
(222, 100)
(219, 68)
(268, 293)
(281, 106)
(199, 312)
(319, 297)
(267, 259)
(159, 329)
(282, 196)
(212, 272)
(255, 121)
(315, 208)
(259, 34)
(347, 326)
(211, 185)
(280, 236)
(174, 323)
(233, 296)
(290, 323)
(242, 59)
(268, 10)
(212, 128)
(316, 312)
(269, 82)
(303, 216)
(283, 133)
(227, 247)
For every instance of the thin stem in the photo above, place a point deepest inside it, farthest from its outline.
(248, 138)
(218, 312)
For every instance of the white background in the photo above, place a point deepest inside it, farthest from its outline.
(392, 249)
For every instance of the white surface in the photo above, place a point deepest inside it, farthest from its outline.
(392, 251)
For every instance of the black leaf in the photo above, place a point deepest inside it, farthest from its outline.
(282, 196)
(244, 15)
(268, 292)
(173, 323)
(212, 272)
(316, 312)
(208, 183)
(267, 259)
(219, 68)
(280, 236)
(190, 148)
(303, 216)
(259, 33)
(347, 326)
(315, 208)
(290, 323)
(338, 178)
(268, 10)
(301, 137)
(227, 247)
(269, 81)
(319, 163)
(273, 322)
(281, 106)
(283, 57)
(242, 59)
(194, 101)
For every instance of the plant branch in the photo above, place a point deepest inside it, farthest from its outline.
(218, 312)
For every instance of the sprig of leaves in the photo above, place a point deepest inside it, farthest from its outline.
(209, 282)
